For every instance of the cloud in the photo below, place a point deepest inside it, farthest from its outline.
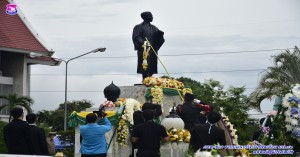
(72, 28)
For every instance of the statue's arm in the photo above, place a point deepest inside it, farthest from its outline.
(160, 39)
(137, 38)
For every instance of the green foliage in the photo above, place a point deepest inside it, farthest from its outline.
(281, 136)
(3, 149)
(55, 118)
(76, 106)
(278, 78)
(232, 101)
(13, 100)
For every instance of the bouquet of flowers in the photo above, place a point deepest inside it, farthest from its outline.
(122, 132)
(291, 103)
(120, 102)
(157, 94)
(130, 105)
(163, 82)
(108, 104)
(179, 135)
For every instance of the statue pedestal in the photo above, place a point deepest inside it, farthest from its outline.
(136, 92)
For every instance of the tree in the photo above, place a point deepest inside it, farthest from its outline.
(54, 118)
(14, 100)
(233, 99)
(278, 79)
(76, 106)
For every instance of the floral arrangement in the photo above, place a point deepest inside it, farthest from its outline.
(157, 84)
(146, 47)
(120, 102)
(122, 132)
(291, 103)
(230, 126)
(131, 105)
(108, 104)
(157, 94)
(126, 120)
(163, 82)
(179, 135)
(186, 90)
(211, 153)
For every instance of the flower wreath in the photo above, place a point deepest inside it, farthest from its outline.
(291, 103)
(126, 120)
(230, 128)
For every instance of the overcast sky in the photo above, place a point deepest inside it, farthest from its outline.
(74, 27)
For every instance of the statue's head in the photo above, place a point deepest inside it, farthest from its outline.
(147, 16)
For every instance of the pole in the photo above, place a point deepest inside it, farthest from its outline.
(66, 96)
(66, 81)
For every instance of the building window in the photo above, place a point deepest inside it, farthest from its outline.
(5, 90)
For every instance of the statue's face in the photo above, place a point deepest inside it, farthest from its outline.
(149, 18)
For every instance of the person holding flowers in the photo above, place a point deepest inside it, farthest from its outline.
(93, 136)
(148, 136)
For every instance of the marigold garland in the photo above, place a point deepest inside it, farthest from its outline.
(157, 94)
(179, 135)
(157, 84)
(122, 133)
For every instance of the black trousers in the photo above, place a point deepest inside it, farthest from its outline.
(93, 155)
(148, 153)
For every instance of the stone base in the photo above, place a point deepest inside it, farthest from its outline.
(136, 92)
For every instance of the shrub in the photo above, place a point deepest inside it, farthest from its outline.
(3, 149)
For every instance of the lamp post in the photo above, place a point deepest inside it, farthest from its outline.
(66, 80)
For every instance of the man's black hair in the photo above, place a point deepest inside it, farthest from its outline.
(91, 118)
(148, 114)
(148, 106)
(188, 97)
(31, 118)
(16, 112)
(213, 117)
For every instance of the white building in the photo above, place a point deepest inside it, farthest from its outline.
(20, 48)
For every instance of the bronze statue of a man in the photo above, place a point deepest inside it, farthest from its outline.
(147, 60)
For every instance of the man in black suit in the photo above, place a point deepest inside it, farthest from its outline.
(189, 112)
(17, 135)
(208, 133)
(37, 136)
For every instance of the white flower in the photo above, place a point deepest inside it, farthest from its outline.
(232, 134)
(296, 90)
(288, 119)
(294, 122)
(287, 113)
(202, 154)
(285, 102)
(288, 127)
(235, 137)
